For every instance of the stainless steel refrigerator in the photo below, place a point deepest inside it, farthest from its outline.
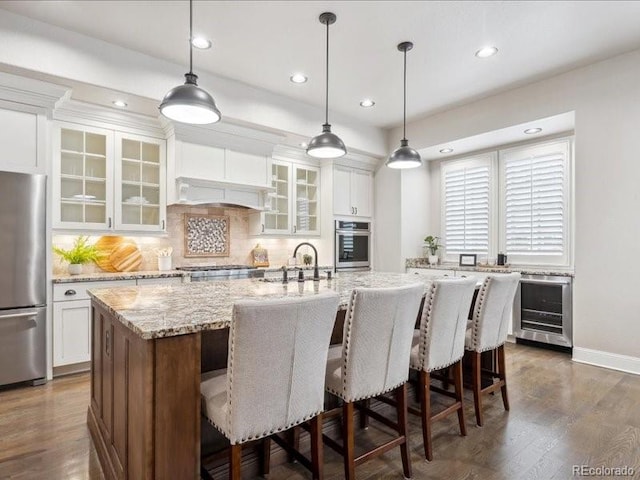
(23, 297)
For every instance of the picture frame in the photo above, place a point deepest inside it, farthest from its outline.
(468, 259)
(206, 235)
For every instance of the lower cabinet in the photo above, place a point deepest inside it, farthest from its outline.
(72, 319)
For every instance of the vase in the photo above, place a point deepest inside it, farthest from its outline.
(75, 268)
(433, 259)
(164, 263)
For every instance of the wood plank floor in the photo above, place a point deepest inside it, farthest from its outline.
(562, 414)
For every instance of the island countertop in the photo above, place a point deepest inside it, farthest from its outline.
(171, 310)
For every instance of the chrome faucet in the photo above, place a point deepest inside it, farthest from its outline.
(316, 272)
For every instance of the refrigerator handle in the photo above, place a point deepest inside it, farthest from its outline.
(19, 315)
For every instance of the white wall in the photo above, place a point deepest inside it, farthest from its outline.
(606, 99)
(43, 48)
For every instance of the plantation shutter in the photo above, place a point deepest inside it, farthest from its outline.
(535, 203)
(466, 209)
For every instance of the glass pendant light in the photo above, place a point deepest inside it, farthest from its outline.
(327, 144)
(404, 156)
(189, 103)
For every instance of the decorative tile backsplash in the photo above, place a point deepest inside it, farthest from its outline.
(206, 235)
(240, 242)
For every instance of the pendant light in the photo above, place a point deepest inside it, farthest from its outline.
(327, 144)
(404, 156)
(189, 103)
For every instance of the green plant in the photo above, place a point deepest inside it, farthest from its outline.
(432, 243)
(80, 253)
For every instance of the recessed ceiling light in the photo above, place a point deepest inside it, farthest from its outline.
(298, 78)
(367, 102)
(485, 52)
(201, 43)
(120, 103)
(531, 131)
(446, 150)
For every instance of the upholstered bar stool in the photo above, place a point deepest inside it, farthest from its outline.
(488, 331)
(439, 344)
(275, 375)
(374, 359)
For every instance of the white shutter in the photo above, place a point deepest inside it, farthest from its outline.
(535, 201)
(466, 219)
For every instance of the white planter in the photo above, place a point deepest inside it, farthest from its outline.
(433, 259)
(75, 268)
(164, 263)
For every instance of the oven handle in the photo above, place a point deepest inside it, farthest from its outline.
(545, 282)
(361, 233)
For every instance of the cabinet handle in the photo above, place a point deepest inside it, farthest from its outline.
(295, 229)
(263, 228)
(70, 292)
(162, 224)
(352, 212)
(356, 210)
(107, 342)
(109, 222)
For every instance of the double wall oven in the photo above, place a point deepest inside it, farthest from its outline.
(353, 246)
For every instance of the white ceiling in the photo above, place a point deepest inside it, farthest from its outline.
(262, 42)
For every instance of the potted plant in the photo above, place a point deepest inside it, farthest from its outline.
(78, 255)
(432, 244)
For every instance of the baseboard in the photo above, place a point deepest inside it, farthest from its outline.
(624, 363)
(71, 369)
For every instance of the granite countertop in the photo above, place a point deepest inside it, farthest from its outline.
(102, 276)
(525, 270)
(170, 310)
(291, 268)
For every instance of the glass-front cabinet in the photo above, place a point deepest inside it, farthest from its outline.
(84, 179)
(292, 207)
(106, 180)
(140, 179)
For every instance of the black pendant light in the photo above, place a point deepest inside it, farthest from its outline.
(327, 144)
(189, 103)
(404, 156)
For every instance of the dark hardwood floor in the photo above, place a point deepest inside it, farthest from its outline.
(562, 414)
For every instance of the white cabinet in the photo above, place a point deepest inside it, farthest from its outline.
(159, 281)
(107, 180)
(352, 192)
(72, 320)
(19, 140)
(294, 204)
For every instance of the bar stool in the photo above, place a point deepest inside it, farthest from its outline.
(275, 376)
(488, 331)
(373, 359)
(439, 344)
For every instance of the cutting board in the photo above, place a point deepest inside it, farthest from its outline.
(117, 254)
(126, 258)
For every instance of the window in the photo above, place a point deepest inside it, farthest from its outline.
(529, 215)
(534, 203)
(467, 206)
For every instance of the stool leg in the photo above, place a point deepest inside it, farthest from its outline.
(348, 441)
(503, 376)
(294, 439)
(235, 459)
(403, 428)
(425, 410)
(457, 380)
(317, 457)
(477, 385)
(364, 418)
(266, 455)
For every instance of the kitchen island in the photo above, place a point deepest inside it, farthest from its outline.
(144, 415)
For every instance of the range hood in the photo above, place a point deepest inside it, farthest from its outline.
(196, 191)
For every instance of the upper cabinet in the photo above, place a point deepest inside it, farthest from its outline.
(107, 180)
(293, 207)
(352, 192)
(19, 140)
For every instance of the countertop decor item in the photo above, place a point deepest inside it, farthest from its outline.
(126, 257)
(468, 259)
(327, 144)
(189, 103)
(260, 256)
(404, 156)
(432, 244)
(105, 246)
(206, 235)
(164, 258)
(79, 254)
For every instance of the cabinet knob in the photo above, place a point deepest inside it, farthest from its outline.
(70, 292)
